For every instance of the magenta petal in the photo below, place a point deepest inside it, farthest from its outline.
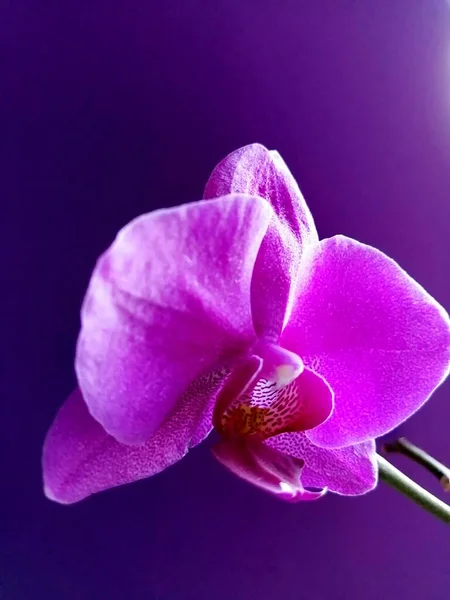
(168, 299)
(381, 342)
(80, 458)
(348, 471)
(255, 170)
(317, 399)
(266, 468)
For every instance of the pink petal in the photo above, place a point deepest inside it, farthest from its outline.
(266, 468)
(80, 458)
(381, 342)
(255, 170)
(168, 299)
(349, 471)
(317, 399)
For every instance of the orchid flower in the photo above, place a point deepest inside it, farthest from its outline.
(230, 313)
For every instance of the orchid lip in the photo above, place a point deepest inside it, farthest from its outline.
(266, 468)
(271, 366)
(267, 394)
(253, 404)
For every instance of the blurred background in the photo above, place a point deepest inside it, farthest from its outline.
(109, 109)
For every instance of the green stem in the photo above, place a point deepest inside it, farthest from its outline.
(403, 484)
(436, 468)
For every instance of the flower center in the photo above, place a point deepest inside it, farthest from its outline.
(266, 394)
(244, 420)
(260, 398)
(267, 411)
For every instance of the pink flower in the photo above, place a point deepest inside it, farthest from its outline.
(231, 312)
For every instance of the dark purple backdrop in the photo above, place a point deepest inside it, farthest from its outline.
(110, 109)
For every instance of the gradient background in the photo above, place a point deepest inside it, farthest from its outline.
(110, 109)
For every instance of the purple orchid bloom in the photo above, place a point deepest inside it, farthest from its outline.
(229, 312)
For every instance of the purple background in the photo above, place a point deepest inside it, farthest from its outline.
(110, 109)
